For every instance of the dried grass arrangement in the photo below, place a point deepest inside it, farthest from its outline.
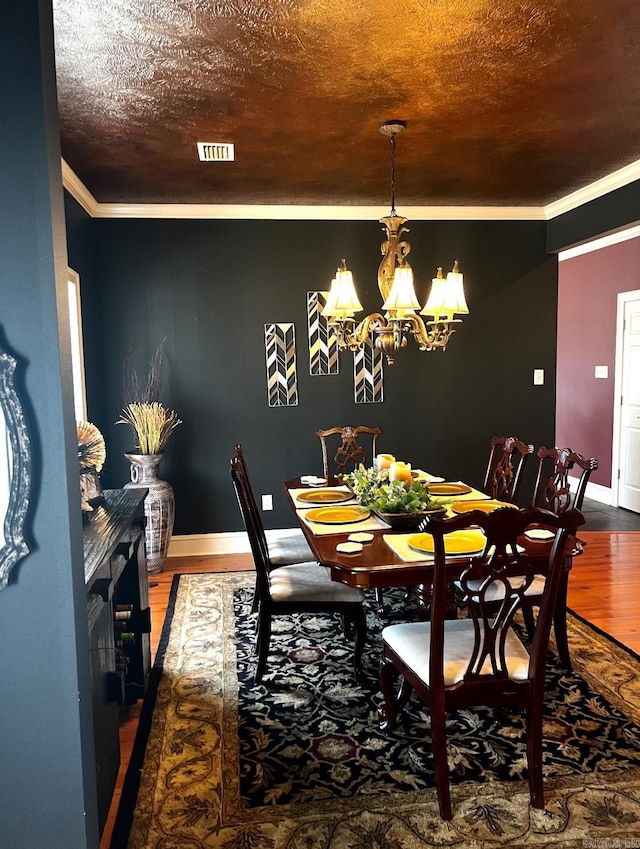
(151, 423)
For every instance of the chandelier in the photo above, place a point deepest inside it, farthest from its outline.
(388, 332)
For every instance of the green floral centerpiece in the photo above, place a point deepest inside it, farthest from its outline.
(401, 504)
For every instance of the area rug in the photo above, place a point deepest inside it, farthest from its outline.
(299, 762)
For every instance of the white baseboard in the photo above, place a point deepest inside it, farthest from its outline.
(596, 491)
(202, 545)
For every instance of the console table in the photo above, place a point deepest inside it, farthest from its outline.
(119, 623)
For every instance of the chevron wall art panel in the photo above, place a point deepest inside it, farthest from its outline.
(368, 375)
(282, 380)
(323, 345)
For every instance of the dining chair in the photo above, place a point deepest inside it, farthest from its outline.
(507, 460)
(350, 453)
(481, 659)
(290, 546)
(304, 587)
(553, 492)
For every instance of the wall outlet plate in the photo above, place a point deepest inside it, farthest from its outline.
(538, 377)
(267, 502)
(602, 371)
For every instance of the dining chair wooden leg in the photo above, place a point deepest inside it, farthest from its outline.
(255, 603)
(529, 620)
(441, 766)
(359, 621)
(262, 644)
(534, 751)
(381, 608)
(560, 622)
(387, 713)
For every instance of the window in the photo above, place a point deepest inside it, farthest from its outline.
(77, 353)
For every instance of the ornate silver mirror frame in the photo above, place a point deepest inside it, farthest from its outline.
(15, 471)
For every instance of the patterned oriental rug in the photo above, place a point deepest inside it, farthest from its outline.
(299, 762)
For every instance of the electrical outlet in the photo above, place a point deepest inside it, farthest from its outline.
(538, 376)
(267, 502)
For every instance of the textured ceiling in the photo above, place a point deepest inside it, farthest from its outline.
(507, 102)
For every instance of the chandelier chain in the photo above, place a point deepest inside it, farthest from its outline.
(393, 173)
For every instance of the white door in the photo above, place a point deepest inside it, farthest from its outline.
(629, 463)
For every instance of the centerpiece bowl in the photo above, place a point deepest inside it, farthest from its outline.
(409, 521)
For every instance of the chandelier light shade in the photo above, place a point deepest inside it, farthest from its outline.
(447, 296)
(395, 282)
(342, 301)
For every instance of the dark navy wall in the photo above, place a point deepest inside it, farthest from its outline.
(613, 211)
(47, 768)
(208, 287)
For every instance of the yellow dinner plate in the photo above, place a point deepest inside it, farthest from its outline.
(458, 542)
(485, 506)
(448, 488)
(337, 515)
(324, 496)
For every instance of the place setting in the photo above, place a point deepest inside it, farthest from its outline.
(418, 547)
(321, 496)
(340, 519)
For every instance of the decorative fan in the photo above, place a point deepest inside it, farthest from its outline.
(91, 448)
(91, 456)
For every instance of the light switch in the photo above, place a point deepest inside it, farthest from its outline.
(538, 376)
(267, 502)
(602, 371)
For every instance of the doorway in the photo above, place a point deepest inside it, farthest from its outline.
(626, 448)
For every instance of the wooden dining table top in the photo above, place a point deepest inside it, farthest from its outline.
(376, 566)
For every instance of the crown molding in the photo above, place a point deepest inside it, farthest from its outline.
(277, 212)
(77, 189)
(615, 180)
(81, 193)
(602, 242)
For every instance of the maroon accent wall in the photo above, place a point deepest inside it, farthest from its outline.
(588, 287)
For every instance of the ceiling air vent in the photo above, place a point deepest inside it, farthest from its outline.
(215, 152)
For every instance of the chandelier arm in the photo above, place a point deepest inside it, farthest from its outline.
(365, 330)
(433, 334)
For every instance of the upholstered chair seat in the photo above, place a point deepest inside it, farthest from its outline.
(292, 548)
(410, 641)
(301, 582)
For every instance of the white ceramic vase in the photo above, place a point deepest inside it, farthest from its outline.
(159, 507)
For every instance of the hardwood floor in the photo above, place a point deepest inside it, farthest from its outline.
(604, 588)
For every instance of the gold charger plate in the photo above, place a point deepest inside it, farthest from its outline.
(448, 488)
(486, 506)
(458, 542)
(324, 496)
(337, 515)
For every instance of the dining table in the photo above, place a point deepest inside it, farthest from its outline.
(387, 560)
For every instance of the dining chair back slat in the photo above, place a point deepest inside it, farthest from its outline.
(290, 546)
(508, 457)
(552, 489)
(350, 452)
